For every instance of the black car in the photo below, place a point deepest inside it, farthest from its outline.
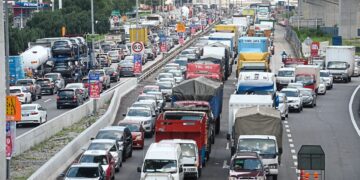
(127, 69)
(150, 54)
(69, 98)
(121, 134)
(113, 73)
(62, 47)
(47, 86)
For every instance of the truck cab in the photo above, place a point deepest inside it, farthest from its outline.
(284, 77)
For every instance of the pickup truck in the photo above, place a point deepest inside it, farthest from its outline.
(104, 78)
(32, 86)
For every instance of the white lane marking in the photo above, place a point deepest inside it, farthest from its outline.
(48, 100)
(351, 111)
(286, 122)
(291, 145)
(293, 151)
(227, 145)
(286, 126)
(225, 166)
(288, 130)
(289, 135)
(295, 163)
(290, 140)
(294, 157)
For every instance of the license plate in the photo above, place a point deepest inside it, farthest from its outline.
(25, 114)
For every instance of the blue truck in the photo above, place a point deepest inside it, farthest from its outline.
(202, 89)
(16, 69)
(253, 44)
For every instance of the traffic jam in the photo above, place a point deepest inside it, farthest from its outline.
(177, 118)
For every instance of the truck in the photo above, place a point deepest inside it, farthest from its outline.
(180, 124)
(253, 44)
(340, 62)
(220, 52)
(256, 83)
(117, 38)
(204, 68)
(16, 69)
(268, 22)
(201, 89)
(34, 59)
(258, 62)
(228, 39)
(255, 125)
(293, 62)
(309, 75)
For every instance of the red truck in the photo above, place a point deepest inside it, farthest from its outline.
(292, 62)
(178, 123)
(211, 71)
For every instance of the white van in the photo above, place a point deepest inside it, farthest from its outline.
(162, 162)
(190, 157)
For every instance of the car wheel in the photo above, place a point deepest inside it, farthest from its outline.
(287, 115)
(40, 121)
(26, 101)
(274, 177)
(130, 154)
(58, 107)
(34, 98)
(39, 97)
(52, 92)
(283, 117)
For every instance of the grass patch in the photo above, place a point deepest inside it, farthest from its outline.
(314, 34)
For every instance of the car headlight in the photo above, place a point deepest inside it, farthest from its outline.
(147, 122)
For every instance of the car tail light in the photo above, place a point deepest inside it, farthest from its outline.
(74, 99)
(34, 113)
(57, 97)
(21, 95)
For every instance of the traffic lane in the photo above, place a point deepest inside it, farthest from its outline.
(356, 108)
(329, 125)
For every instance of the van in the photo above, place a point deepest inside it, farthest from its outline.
(162, 161)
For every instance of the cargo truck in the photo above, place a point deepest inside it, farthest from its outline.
(293, 62)
(340, 62)
(35, 58)
(204, 68)
(228, 39)
(16, 69)
(253, 44)
(202, 89)
(256, 83)
(219, 52)
(255, 62)
(309, 75)
(179, 124)
(256, 129)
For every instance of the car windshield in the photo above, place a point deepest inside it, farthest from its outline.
(146, 90)
(60, 43)
(305, 93)
(286, 74)
(70, 86)
(305, 79)
(176, 73)
(24, 82)
(324, 74)
(66, 93)
(181, 62)
(291, 93)
(100, 146)
(336, 65)
(163, 166)
(109, 135)
(13, 91)
(164, 85)
(113, 53)
(161, 76)
(101, 73)
(132, 127)
(43, 81)
(188, 150)
(27, 108)
(52, 76)
(138, 112)
(241, 164)
(261, 146)
(101, 159)
(83, 172)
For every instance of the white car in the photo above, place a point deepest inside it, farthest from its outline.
(328, 78)
(295, 85)
(143, 115)
(108, 145)
(178, 75)
(166, 88)
(165, 77)
(322, 87)
(83, 90)
(32, 114)
(22, 93)
(294, 98)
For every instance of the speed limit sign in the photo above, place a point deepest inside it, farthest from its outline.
(137, 47)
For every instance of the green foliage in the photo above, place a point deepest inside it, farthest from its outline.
(314, 34)
(18, 39)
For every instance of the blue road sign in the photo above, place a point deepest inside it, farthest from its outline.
(162, 37)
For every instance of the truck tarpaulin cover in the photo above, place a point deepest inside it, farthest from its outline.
(258, 121)
(199, 89)
(253, 56)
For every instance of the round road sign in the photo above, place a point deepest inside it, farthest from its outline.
(137, 47)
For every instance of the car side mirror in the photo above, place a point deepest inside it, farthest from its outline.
(153, 115)
(138, 169)
(62, 175)
(124, 114)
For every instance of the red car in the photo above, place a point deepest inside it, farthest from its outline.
(86, 83)
(137, 132)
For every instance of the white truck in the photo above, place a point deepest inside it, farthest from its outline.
(259, 129)
(35, 58)
(340, 62)
(285, 76)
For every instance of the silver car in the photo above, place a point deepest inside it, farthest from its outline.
(143, 115)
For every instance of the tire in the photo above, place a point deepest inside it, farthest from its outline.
(274, 177)
(217, 126)
(40, 121)
(39, 97)
(130, 154)
(52, 92)
(124, 157)
(312, 104)
(287, 115)
(349, 79)
(58, 107)
(283, 118)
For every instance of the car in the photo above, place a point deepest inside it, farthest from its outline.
(92, 171)
(69, 97)
(113, 73)
(122, 135)
(47, 85)
(182, 61)
(76, 45)
(104, 158)
(22, 93)
(120, 53)
(126, 68)
(175, 65)
(83, 90)
(328, 78)
(143, 115)
(161, 101)
(166, 88)
(147, 104)
(151, 88)
(178, 75)
(31, 85)
(294, 98)
(62, 47)
(283, 106)
(57, 78)
(108, 145)
(322, 87)
(150, 55)
(295, 85)
(308, 97)
(165, 77)
(104, 78)
(33, 114)
(125, 49)
(104, 60)
(137, 132)
(247, 165)
(114, 56)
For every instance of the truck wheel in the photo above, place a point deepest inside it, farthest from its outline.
(217, 126)
(39, 97)
(349, 79)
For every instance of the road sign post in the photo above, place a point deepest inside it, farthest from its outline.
(94, 89)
